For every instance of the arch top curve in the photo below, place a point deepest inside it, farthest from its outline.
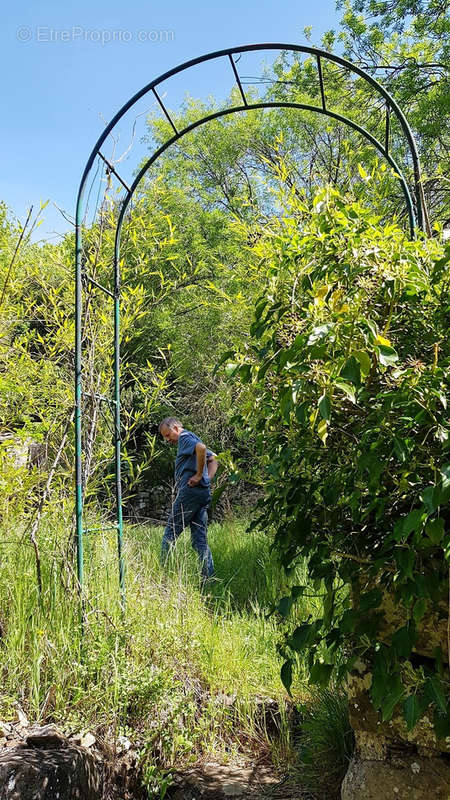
(257, 106)
(320, 56)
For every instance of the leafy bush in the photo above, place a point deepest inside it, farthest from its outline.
(344, 381)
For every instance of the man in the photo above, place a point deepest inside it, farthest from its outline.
(195, 467)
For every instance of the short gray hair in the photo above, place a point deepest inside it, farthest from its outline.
(169, 422)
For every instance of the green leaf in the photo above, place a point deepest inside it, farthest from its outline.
(245, 373)
(348, 621)
(420, 606)
(328, 607)
(364, 361)
(435, 530)
(320, 673)
(325, 407)
(257, 328)
(264, 367)
(445, 259)
(286, 675)
(405, 558)
(445, 477)
(301, 411)
(378, 686)
(398, 530)
(430, 498)
(284, 606)
(231, 368)
(345, 387)
(363, 173)
(370, 600)
(435, 692)
(259, 308)
(318, 333)
(411, 711)
(223, 358)
(413, 521)
(286, 403)
(299, 342)
(351, 371)
(322, 430)
(391, 698)
(297, 592)
(372, 328)
(403, 640)
(400, 450)
(302, 636)
(441, 725)
(387, 355)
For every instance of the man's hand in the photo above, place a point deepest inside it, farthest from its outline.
(195, 480)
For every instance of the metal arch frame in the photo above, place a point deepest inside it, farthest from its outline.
(319, 54)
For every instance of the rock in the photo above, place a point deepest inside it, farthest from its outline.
(415, 779)
(84, 739)
(431, 633)
(214, 781)
(373, 736)
(87, 740)
(21, 716)
(225, 700)
(47, 737)
(123, 744)
(233, 789)
(48, 766)
(391, 761)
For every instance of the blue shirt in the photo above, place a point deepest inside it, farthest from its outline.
(186, 460)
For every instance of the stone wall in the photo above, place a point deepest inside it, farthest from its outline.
(390, 761)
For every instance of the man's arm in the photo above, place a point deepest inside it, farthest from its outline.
(200, 452)
(212, 466)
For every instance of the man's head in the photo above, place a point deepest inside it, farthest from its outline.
(170, 429)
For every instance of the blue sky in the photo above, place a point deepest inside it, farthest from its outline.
(68, 67)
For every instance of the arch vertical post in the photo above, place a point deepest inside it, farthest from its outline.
(78, 399)
(117, 430)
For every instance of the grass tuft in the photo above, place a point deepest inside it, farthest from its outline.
(325, 742)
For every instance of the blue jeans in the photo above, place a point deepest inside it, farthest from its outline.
(190, 508)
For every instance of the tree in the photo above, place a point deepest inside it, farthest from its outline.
(406, 45)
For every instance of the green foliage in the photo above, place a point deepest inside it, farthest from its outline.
(36, 338)
(344, 381)
(406, 46)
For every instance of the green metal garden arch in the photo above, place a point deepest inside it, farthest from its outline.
(416, 215)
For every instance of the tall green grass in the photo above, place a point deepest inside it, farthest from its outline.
(181, 668)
